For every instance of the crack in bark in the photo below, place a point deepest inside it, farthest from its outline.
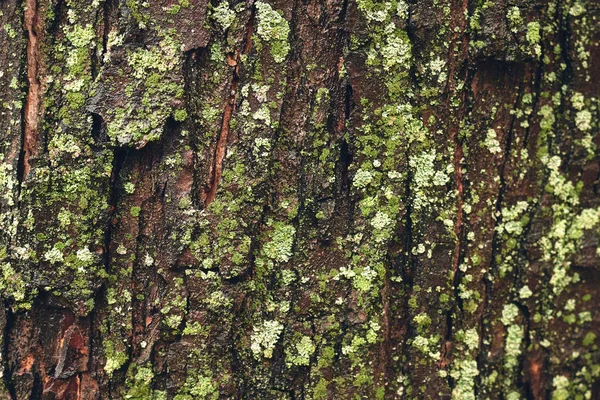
(217, 170)
(103, 16)
(33, 104)
(461, 7)
(486, 283)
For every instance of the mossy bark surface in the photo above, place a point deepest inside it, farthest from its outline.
(300, 199)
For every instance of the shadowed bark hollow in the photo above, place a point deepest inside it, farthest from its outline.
(299, 199)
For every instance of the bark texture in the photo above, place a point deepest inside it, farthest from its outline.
(300, 199)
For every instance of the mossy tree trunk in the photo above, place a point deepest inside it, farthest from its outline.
(300, 199)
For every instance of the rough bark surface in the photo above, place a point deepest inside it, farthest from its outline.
(300, 199)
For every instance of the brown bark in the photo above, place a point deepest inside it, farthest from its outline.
(321, 199)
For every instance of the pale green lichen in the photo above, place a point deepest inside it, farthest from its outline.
(129, 187)
(362, 179)
(533, 36)
(561, 388)
(10, 31)
(156, 88)
(471, 338)
(274, 29)
(427, 345)
(514, 339)
(525, 292)
(223, 15)
(375, 11)
(464, 373)
(577, 9)
(140, 385)
(396, 50)
(583, 120)
(12, 285)
(425, 176)
(514, 18)
(54, 255)
(564, 236)
(115, 359)
(381, 223)
(491, 142)
(265, 338)
(512, 349)
(279, 248)
(304, 349)
(509, 313)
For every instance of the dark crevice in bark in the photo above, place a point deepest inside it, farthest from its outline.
(344, 10)
(119, 158)
(408, 261)
(21, 159)
(342, 197)
(535, 100)
(38, 387)
(563, 36)
(521, 374)
(107, 9)
(103, 16)
(596, 185)
(54, 25)
(195, 60)
(99, 131)
(349, 103)
(7, 377)
(94, 327)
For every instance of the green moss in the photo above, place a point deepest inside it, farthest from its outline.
(180, 115)
(589, 339)
(135, 211)
(174, 9)
(139, 383)
(320, 390)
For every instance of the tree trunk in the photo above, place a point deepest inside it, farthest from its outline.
(286, 199)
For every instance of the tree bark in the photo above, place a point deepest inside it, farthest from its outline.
(285, 199)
